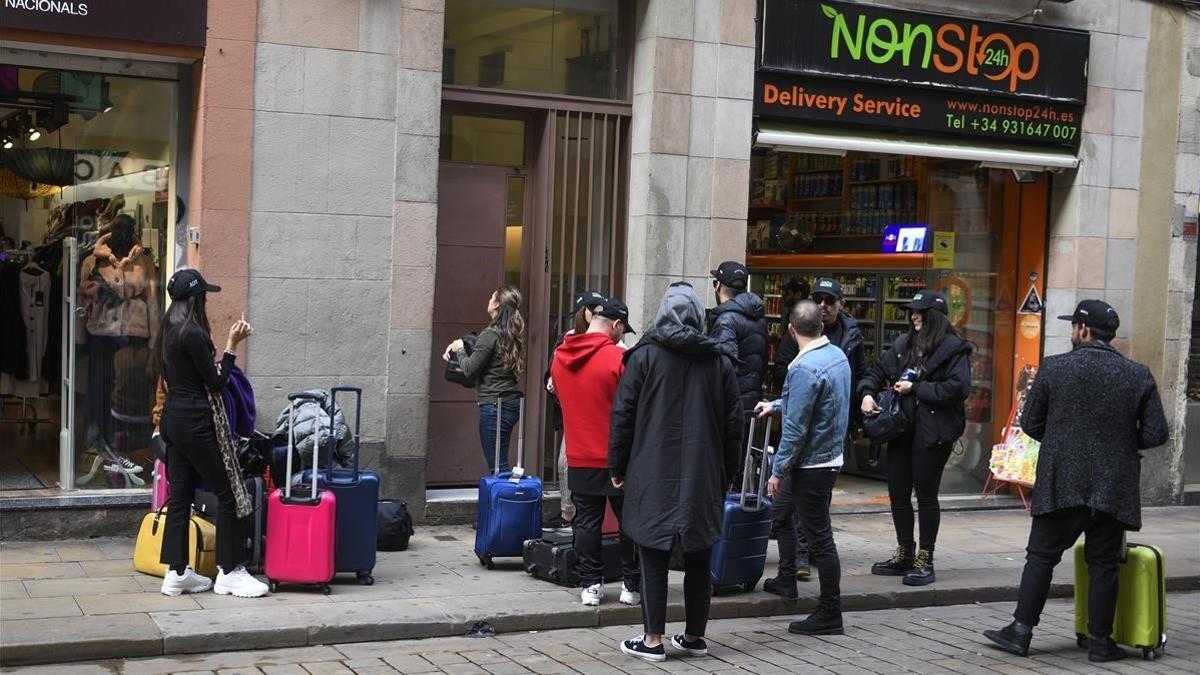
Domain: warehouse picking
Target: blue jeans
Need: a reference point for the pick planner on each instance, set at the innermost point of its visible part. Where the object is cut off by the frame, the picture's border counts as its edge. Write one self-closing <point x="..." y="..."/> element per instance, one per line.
<point x="510" y="412"/>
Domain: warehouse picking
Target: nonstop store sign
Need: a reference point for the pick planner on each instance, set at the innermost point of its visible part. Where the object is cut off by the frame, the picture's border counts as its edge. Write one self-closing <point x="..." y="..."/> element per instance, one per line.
<point x="882" y="67"/>
<point x="176" y="22"/>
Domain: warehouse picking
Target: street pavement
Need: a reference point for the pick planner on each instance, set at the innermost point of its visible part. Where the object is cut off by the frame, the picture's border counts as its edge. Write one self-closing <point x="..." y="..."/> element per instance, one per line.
<point x="924" y="640"/>
<point x="81" y="601"/>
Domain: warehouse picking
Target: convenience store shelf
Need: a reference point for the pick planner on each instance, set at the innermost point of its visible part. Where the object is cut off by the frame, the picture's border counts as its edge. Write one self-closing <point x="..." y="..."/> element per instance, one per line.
<point x="882" y="181"/>
<point x="800" y="200"/>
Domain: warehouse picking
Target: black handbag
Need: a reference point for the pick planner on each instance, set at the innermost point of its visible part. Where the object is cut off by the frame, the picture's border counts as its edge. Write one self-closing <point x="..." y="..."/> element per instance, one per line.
<point x="891" y="422"/>
<point x="454" y="371"/>
<point x="395" y="525"/>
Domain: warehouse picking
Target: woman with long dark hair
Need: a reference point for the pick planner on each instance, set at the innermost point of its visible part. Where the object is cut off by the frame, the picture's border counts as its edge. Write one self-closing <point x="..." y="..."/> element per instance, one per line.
<point x="184" y="357"/>
<point x="930" y="367"/>
<point x="494" y="366"/>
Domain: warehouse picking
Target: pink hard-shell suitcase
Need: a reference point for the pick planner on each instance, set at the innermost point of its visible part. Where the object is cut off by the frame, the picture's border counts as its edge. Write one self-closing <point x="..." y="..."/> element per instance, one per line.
<point x="161" y="487"/>
<point x="300" y="529"/>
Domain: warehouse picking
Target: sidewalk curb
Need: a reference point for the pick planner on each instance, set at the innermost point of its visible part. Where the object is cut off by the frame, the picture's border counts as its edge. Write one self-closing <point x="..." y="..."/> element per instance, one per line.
<point x="42" y="641"/>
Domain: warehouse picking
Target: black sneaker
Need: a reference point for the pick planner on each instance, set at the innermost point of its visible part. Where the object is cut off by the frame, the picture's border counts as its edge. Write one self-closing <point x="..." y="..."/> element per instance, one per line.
<point x="637" y="648"/>
<point x="896" y="566"/>
<point x="921" y="573"/>
<point x="821" y="622"/>
<point x="1013" y="638"/>
<point x="783" y="585"/>
<point x="697" y="647"/>
<point x="1104" y="650"/>
<point x="558" y="525"/>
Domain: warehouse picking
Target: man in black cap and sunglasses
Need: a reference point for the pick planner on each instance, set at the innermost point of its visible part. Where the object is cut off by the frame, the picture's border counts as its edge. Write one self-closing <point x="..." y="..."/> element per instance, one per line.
<point x="1094" y="411"/>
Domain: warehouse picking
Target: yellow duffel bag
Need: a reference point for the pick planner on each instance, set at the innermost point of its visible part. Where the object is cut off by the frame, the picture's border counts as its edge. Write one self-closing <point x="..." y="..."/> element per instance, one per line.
<point x="202" y="545"/>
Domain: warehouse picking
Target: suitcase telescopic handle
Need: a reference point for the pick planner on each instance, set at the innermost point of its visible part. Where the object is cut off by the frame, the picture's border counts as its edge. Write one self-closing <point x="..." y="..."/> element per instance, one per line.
<point x="748" y="469"/>
<point x="520" y="432"/>
<point x="357" y="391"/>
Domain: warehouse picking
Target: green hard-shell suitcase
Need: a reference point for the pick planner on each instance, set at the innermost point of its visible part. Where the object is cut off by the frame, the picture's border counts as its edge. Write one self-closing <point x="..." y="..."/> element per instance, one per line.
<point x="1141" y="620"/>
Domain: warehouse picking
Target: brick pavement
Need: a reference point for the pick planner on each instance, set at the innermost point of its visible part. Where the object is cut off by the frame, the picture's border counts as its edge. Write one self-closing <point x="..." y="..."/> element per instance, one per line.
<point x="925" y="640"/>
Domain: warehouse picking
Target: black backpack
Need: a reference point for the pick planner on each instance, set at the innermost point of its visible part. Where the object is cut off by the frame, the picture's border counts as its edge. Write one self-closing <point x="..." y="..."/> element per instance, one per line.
<point x="892" y="421"/>
<point x="395" y="525"/>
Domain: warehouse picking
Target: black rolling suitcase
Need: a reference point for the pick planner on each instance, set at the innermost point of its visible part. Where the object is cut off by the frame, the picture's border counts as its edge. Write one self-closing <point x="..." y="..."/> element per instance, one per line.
<point x="552" y="558"/>
<point x="205" y="505"/>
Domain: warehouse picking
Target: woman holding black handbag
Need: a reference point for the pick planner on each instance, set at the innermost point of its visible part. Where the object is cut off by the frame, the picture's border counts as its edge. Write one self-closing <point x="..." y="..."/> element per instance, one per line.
<point x="493" y="367"/>
<point x="929" y="368"/>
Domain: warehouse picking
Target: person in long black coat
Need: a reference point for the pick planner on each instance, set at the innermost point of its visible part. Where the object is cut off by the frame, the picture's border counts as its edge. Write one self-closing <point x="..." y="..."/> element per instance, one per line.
<point x="675" y="444"/>
<point x="1094" y="411"/>
<point x="934" y="395"/>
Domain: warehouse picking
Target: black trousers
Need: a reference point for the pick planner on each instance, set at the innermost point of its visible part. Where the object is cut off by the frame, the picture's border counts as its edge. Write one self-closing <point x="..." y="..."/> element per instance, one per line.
<point x="697" y="589"/>
<point x="587" y="525"/>
<point x="793" y="548"/>
<point x="813" y="493"/>
<point x="918" y="467"/>
<point x="193" y="456"/>
<point x="1050" y="536"/>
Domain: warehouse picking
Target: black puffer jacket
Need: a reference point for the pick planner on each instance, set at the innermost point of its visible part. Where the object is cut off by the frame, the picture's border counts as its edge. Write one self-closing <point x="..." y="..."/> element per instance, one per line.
<point x="676" y="434"/>
<point x="739" y="326"/>
<point x="1093" y="410"/>
<point x="938" y="412"/>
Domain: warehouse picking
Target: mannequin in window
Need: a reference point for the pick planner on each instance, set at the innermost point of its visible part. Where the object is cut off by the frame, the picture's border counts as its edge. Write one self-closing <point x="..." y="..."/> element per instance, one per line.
<point x="119" y="289"/>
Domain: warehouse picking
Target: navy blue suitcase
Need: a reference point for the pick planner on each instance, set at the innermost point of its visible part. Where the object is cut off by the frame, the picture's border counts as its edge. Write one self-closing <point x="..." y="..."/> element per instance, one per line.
<point x="510" y="505"/>
<point x="739" y="557"/>
<point x="357" y="493"/>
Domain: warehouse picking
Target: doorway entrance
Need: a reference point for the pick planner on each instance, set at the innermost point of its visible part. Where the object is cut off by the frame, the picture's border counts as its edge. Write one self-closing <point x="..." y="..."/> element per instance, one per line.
<point x="534" y="198"/>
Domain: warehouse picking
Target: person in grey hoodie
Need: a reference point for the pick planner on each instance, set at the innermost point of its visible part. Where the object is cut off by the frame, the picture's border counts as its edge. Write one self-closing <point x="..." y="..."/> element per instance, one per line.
<point x="675" y="442"/>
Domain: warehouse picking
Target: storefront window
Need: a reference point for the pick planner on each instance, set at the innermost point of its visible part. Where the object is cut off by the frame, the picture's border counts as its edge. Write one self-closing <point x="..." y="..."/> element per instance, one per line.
<point x="482" y="140"/>
<point x="574" y="48"/>
<point x="85" y="158"/>
<point x="874" y="223"/>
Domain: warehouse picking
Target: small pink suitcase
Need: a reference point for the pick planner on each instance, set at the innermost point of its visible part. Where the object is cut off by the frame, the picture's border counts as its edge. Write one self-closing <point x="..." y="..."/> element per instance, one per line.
<point x="300" y="530"/>
<point x="161" y="487"/>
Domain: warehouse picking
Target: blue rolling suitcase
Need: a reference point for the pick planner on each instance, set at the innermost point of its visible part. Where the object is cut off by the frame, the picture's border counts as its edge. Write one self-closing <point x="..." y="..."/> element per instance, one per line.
<point x="740" y="555"/>
<point x="510" y="505"/>
<point x="357" y="493"/>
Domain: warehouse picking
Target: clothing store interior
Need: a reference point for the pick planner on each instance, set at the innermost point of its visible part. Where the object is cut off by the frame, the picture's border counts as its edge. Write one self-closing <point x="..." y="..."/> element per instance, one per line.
<point x="870" y="221"/>
<point x="85" y="184"/>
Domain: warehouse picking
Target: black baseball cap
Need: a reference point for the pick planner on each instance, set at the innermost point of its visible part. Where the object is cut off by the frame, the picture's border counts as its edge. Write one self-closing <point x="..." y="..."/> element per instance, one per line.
<point x="589" y="299"/>
<point x="927" y="300"/>
<point x="617" y="311"/>
<point x="1094" y="314"/>
<point x="188" y="283"/>
<point x="731" y="273"/>
<point x="828" y="286"/>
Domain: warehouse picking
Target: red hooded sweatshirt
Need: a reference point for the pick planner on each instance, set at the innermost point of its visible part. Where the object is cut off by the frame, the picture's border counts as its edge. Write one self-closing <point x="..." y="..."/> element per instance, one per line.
<point x="586" y="371"/>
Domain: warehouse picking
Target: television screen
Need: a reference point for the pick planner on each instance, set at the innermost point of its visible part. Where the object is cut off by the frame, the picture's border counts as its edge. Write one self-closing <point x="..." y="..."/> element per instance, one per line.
<point x="906" y="239"/>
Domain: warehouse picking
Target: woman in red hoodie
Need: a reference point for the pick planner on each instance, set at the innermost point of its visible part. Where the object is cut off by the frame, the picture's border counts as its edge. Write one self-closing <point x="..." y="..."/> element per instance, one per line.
<point x="586" y="371"/>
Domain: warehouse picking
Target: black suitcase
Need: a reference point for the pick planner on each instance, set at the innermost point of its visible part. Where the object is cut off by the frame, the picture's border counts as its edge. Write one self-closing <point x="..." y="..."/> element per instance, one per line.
<point x="205" y="505"/>
<point x="552" y="558"/>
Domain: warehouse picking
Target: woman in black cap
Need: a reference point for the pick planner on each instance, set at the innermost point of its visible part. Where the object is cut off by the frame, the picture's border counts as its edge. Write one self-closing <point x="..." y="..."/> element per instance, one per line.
<point x="184" y="356"/>
<point x="930" y="367"/>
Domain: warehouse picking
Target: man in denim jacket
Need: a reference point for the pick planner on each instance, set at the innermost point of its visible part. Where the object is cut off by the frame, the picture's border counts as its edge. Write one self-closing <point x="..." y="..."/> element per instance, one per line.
<point x="815" y="409"/>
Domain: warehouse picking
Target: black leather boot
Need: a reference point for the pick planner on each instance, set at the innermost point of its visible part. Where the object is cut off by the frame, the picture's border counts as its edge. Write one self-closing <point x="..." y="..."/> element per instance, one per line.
<point x="1013" y="638"/>
<point x="1102" y="650"/>
<point x="896" y="566"/>
<point x="921" y="573"/>
<point x="783" y="585"/>
<point x="824" y="621"/>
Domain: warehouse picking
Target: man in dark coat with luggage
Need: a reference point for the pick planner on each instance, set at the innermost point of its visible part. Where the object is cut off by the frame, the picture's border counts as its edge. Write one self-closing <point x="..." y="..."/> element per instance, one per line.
<point x="739" y="325"/>
<point x="842" y="331"/>
<point x="1094" y="411"/>
<point x="675" y="441"/>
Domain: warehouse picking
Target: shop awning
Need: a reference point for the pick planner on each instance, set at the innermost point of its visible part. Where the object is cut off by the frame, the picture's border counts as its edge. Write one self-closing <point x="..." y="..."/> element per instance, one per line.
<point x="797" y="138"/>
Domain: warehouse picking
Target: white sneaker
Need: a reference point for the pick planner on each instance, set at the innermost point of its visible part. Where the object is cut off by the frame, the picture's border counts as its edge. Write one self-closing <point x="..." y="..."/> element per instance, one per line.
<point x="189" y="582"/>
<point x="240" y="583"/>
<point x="592" y="595"/>
<point x="629" y="597"/>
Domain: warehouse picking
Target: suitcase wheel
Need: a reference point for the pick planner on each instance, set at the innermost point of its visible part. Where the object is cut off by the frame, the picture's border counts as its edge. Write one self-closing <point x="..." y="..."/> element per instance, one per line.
<point x="366" y="579"/>
<point x="486" y="561"/>
<point x="1081" y="640"/>
<point x="751" y="584"/>
<point x="326" y="589"/>
<point x="273" y="585"/>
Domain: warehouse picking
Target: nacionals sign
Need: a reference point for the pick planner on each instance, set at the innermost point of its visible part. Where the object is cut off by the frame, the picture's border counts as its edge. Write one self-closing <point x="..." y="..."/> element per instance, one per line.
<point x="949" y="48"/>
<point x="867" y="42"/>
<point x="51" y="6"/>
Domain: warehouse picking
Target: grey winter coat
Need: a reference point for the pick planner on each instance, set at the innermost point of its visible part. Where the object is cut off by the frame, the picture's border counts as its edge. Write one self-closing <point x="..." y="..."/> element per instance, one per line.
<point x="312" y="423"/>
<point x="739" y="326"/>
<point x="676" y="430"/>
<point x="1093" y="411"/>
